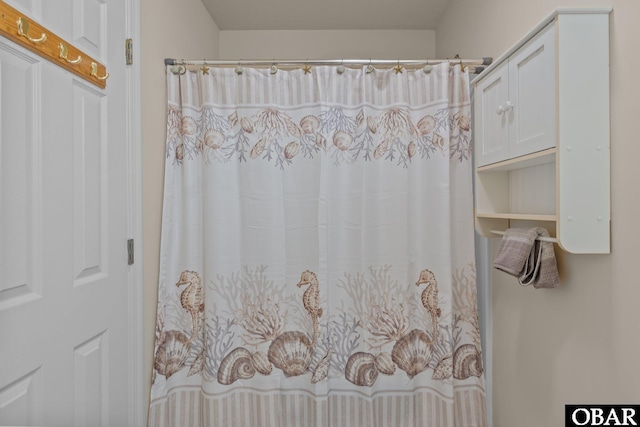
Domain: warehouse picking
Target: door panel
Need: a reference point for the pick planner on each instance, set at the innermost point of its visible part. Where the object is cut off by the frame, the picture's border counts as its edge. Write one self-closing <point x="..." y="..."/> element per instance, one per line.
<point x="19" y="179"/>
<point x="89" y="183"/>
<point x="32" y="8"/>
<point x="21" y="401"/>
<point x="91" y="403"/>
<point x="89" y="21"/>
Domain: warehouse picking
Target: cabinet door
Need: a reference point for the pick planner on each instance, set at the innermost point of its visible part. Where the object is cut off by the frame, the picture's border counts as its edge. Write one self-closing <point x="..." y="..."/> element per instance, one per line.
<point x="531" y="109"/>
<point x="491" y="131"/>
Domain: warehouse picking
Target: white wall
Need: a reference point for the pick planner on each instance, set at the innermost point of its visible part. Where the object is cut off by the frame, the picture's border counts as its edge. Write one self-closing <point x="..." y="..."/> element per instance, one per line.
<point x="169" y="29"/>
<point x="328" y="44"/>
<point x="578" y="343"/>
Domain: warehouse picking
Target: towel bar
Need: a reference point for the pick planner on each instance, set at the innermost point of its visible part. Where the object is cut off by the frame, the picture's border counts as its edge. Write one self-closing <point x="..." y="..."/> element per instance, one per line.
<point x="542" y="239"/>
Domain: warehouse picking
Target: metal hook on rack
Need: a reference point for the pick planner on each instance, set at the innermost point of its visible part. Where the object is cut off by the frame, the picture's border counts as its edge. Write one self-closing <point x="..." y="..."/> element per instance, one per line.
<point x="23" y="30"/>
<point x="94" y="72"/>
<point x="64" y="52"/>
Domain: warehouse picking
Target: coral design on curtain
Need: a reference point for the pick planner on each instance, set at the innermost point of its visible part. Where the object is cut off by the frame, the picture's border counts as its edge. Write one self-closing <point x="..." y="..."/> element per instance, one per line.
<point x="317" y="256"/>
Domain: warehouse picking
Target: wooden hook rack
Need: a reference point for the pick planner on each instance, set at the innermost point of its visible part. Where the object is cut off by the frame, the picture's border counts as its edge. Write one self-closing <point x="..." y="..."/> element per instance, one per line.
<point x="17" y="27"/>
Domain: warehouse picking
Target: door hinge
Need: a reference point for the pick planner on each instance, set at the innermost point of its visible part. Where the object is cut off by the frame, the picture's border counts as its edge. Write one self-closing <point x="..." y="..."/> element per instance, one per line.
<point x="128" y="51"/>
<point x="130" y="251"/>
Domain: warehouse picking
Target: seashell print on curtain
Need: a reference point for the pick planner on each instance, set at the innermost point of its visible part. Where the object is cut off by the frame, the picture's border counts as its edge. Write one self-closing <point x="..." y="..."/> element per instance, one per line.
<point x="279" y="138"/>
<point x="276" y="135"/>
<point x="317" y="264"/>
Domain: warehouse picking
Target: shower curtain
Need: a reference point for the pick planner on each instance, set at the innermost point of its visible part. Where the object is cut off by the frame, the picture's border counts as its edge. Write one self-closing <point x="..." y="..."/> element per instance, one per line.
<point x="317" y="256"/>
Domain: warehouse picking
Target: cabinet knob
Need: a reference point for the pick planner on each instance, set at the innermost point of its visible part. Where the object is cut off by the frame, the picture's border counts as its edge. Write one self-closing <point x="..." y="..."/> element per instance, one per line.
<point x="500" y="110"/>
<point x="508" y="106"/>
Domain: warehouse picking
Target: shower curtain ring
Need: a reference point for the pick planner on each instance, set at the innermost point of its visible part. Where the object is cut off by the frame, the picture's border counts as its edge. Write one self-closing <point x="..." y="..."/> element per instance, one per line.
<point x="340" y="68"/>
<point x="427" y="68"/>
<point x="239" y="69"/>
<point x="307" y="67"/>
<point x="398" y="68"/>
<point x="182" y="68"/>
<point x="369" y="68"/>
<point x="274" y="67"/>
<point x="463" y="67"/>
<point x="204" y="68"/>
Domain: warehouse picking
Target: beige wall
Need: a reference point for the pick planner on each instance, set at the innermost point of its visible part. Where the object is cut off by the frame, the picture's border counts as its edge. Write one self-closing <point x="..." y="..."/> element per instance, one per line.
<point x="578" y="343"/>
<point x="169" y="29"/>
<point x="327" y="44"/>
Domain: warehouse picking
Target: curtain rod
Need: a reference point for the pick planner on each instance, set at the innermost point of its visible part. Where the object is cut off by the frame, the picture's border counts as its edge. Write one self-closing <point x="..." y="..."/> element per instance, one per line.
<point x="476" y="65"/>
<point x="540" y="238"/>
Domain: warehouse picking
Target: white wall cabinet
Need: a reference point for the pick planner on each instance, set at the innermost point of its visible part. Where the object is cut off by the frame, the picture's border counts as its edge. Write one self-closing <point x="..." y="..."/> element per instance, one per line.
<point x="516" y="102"/>
<point x="541" y="117"/>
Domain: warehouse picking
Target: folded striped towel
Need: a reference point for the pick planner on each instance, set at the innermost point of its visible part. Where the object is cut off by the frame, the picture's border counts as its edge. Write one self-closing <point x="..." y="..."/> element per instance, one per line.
<point x="532" y="261"/>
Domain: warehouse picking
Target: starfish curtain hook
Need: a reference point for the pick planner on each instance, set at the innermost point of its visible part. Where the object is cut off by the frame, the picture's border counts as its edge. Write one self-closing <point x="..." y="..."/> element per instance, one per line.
<point x="204" y="68"/>
<point x="398" y="68"/>
<point x="306" y="68"/>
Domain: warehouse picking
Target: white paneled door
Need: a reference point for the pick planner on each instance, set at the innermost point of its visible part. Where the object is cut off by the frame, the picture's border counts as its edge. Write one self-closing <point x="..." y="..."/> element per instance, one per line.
<point x="65" y="355"/>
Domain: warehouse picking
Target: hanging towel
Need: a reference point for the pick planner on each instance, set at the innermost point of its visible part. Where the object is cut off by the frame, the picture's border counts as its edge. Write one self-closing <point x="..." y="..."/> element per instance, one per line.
<point x="532" y="261"/>
<point x="515" y="249"/>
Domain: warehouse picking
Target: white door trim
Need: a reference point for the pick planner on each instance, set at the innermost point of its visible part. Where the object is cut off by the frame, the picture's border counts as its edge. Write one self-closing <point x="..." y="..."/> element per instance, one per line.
<point x="138" y="413"/>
